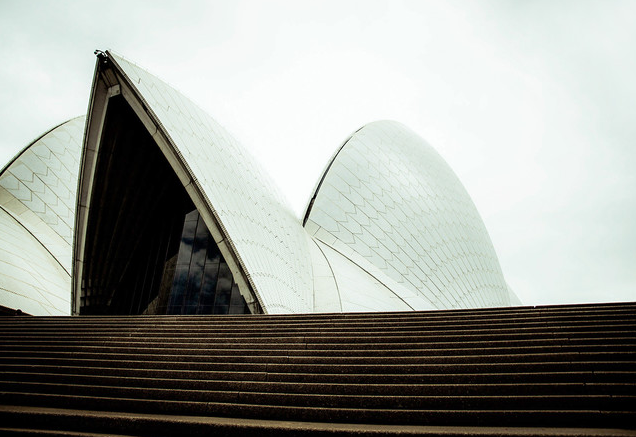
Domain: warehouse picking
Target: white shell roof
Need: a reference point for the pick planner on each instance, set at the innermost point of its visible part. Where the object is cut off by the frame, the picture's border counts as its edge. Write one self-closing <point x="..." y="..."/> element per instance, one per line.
<point x="31" y="280"/>
<point x="389" y="197"/>
<point x="262" y="229"/>
<point x="37" y="210"/>
<point x="390" y="226"/>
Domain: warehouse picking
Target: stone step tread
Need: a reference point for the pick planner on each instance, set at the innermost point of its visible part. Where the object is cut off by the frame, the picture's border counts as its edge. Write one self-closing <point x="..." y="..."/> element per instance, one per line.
<point x="30" y="431"/>
<point x="303" y="347"/>
<point x="431" y="416"/>
<point x="390" y="328"/>
<point x="405" y="352"/>
<point x="322" y="388"/>
<point x="372" y="338"/>
<point x="8" y="391"/>
<point x="366" y="372"/>
<point x="155" y="424"/>
<point x="393" y="331"/>
<point x="251" y="321"/>
<point x="208" y="425"/>
<point x="269" y="366"/>
<point x="527" y="312"/>
<point x="360" y="378"/>
<point x="514" y="308"/>
<point x="548" y="345"/>
<point x="396" y="358"/>
<point x="172" y="401"/>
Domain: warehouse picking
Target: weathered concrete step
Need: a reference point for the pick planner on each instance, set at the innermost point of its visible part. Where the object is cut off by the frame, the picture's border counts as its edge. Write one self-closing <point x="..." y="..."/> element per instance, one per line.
<point x="612" y="376"/>
<point x="393" y="331"/>
<point x="448" y="389"/>
<point x="202" y="335"/>
<point x="12" y="393"/>
<point x="551" y="366"/>
<point x="136" y="322"/>
<point x="439" y="314"/>
<point x="558" y="309"/>
<point x="463" y="416"/>
<point x="397" y="358"/>
<point x="159" y="349"/>
<point x="11" y="432"/>
<point x="32" y="430"/>
<point x="344" y="338"/>
<point x="349" y="343"/>
<point x="115" y="423"/>
<point x="75" y="325"/>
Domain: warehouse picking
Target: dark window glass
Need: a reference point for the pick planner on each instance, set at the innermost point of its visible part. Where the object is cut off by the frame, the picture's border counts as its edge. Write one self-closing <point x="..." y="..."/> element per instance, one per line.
<point x="200" y="246"/>
<point x="194" y="288"/>
<point x="223" y="309"/>
<point x="178" y="289"/>
<point x="203" y="282"/>
<point x="135" y="222"/>
<point x="237" y="309"/>
<point x="147" y="251"/>
<point x="204" y="309"/>
<point x="187" y="241"/>
<point x="224" y="286"/>
<point x="208" y="289"/>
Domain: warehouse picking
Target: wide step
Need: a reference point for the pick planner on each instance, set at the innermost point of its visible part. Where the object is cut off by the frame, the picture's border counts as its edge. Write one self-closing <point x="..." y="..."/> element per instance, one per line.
<point x="560" y="368"/>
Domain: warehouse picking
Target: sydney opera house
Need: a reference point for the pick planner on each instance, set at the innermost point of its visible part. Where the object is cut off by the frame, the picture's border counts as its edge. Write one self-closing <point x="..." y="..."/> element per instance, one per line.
<point x="199" y="304"/>
<point x="148" y="206"/>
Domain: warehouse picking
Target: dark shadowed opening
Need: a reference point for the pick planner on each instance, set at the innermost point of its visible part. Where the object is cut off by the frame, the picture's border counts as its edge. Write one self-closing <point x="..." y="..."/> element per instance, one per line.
<point x="138" y="233"/>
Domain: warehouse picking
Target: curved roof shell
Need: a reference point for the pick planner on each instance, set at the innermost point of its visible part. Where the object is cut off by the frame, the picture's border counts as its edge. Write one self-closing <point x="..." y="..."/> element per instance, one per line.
<point x="389" y="226"/>
<point x="389" y="198"/>
<point x="37" y="212"/>
<point x="256" y="230"/>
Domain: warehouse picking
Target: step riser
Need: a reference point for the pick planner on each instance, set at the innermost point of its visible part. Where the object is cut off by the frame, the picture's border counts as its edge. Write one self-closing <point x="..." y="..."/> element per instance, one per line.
<point x="617" y="377"/>
<point x="627" y="377"/>
<point x="153" y="426"/>
<point x="336" y="389"/>
<point x="317" y="328"/>
<point x="575" y="309"/>
<point x="572" y="357"/>
<point x="397" y="402"/>
<point x="324" y="344"/>
<point x="466" y="417"/>
<point x="92" y="351"/>
<point x="336" y="368"/>
<point x="371" y="336"/>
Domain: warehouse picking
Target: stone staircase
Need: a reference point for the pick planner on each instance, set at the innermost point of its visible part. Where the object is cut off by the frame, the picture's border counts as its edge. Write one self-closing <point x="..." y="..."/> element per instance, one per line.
<point x="553" y="370"/>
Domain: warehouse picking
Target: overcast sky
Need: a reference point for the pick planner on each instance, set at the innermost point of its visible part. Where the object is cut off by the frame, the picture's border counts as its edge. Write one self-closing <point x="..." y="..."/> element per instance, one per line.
<point x="532" y="103"/>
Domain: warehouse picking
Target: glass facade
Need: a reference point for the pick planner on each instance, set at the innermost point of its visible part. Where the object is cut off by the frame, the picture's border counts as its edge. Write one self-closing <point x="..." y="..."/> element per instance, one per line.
<point x="147" y="250"/>
<point x="258" y="226"/>
<point x="203" y="282"/>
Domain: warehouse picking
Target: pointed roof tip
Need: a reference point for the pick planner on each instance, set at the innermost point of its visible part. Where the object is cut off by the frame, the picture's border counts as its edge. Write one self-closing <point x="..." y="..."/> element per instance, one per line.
<point x="101" y="56"/>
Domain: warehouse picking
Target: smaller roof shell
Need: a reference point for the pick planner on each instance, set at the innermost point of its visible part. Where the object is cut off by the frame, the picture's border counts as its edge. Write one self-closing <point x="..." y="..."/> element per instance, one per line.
<point x="37" y="213"/>
<point x="388" y="196"/>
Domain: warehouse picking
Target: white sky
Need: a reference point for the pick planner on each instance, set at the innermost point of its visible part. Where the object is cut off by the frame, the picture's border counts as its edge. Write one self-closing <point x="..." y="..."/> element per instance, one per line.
<point x="532" y="103"/>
